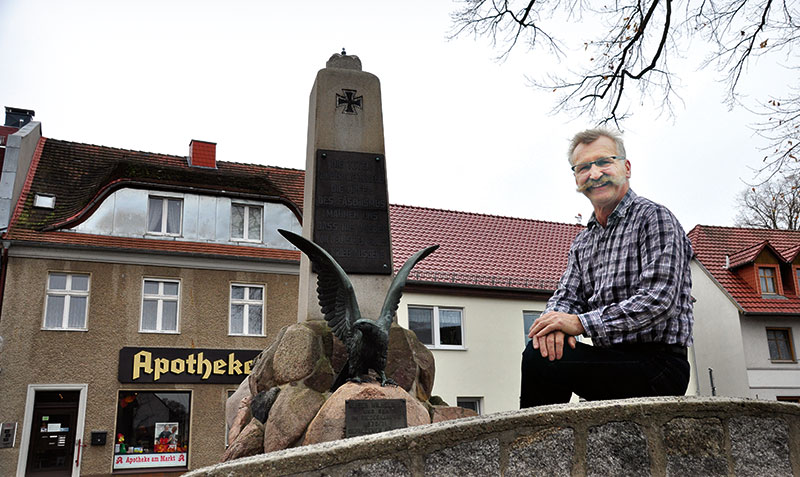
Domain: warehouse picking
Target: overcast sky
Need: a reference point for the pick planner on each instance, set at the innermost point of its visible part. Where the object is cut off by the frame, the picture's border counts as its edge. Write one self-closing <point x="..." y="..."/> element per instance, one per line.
<point x="463" y="131"/>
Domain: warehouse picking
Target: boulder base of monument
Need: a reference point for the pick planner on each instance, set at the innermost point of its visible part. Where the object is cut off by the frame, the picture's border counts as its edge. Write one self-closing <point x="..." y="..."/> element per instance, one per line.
<point x="329" y="424"/>
<point x="249" y="442"/>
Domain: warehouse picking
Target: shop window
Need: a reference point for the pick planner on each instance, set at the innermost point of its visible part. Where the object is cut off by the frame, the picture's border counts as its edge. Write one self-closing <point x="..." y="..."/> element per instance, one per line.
<point x="437" y="327"/>
<point x="164" y="216"/>
<point x="766" y="277"/>
<point x="160" y="299"/>
<point x="779" y="341"/>
<point x="246" y="222"/>
<point x="67" y="300"/>
<point x="152" y="430"/>
<point x="473" y="403"/>
<point x="247" y="310"/>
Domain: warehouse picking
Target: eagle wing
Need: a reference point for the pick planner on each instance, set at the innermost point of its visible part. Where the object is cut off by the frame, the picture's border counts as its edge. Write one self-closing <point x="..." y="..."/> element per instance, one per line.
<point x="337" y="300"/>
<point x="396" y="288"/>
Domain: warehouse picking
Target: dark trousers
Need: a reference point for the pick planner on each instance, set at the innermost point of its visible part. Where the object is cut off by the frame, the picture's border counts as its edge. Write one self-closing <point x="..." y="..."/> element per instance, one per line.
<point x="595" y="373"/>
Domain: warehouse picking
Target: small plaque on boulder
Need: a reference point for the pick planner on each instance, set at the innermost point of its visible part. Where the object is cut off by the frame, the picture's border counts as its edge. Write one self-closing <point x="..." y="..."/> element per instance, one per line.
<point x="368" y="416"/>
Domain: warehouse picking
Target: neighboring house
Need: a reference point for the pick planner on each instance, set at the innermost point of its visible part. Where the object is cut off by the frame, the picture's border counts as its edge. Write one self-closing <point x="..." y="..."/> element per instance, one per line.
<point x="746" y="282"/>
<point x="136" y="289"/>
<point x="473" y="300"/>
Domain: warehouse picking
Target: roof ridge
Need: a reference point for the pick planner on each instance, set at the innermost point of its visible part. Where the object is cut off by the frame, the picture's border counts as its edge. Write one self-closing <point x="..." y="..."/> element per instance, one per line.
<point x="175" y="156"/>
<point x="744" y="228"/>
<point x="486" y="215"/>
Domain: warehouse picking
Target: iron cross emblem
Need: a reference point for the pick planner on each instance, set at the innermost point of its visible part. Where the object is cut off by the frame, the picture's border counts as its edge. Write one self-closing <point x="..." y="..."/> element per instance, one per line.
<point x="350" y="101"/>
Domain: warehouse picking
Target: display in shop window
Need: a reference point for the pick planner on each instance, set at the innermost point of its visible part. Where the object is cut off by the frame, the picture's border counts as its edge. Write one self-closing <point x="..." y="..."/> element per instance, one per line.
<point x="152" y="429"/>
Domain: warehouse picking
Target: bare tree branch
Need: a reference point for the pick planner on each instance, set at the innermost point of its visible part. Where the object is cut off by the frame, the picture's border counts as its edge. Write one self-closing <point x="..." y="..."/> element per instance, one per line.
<point x="774" y="204"/>
<point x="629" y="61"/>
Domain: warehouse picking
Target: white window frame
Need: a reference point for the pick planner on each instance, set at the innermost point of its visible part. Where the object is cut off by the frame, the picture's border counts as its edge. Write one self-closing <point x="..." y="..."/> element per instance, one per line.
<point x="245" y="228"/>
<point x="164" y="216"/>
<point x="67" y="293"/>
<point x="477" y="400"/>
<point x="246" y="315"/>
<point x="161" y="298"/>
<point x="436" y="334"/>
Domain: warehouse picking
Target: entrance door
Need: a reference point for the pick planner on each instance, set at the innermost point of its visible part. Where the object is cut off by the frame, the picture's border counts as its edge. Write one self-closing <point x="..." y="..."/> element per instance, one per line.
<point x="53" y="431"/>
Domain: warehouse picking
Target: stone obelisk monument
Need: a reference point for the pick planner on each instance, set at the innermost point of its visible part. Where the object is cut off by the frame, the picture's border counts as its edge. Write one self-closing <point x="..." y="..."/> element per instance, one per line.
<point x="346" y="204"/>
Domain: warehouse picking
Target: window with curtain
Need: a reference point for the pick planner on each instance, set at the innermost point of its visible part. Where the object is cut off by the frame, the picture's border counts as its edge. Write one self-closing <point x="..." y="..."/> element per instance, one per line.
<point x="164" y="215"/>
<point x="779" y="342"/>
<point x="246" y="222"/>
<point x="766" y="276"/>
<point x="67" y="301"/>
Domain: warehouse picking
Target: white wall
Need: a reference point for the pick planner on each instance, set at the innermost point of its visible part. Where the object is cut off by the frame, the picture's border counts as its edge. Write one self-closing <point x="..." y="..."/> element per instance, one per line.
<point x="767" y="379"/>
<point x="489" y="366"/>
<point x="205" y="218"/>
<point x="718" y="341"/>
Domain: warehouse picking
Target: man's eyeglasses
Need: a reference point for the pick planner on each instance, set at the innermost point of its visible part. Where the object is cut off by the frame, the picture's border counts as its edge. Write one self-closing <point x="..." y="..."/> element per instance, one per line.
<point x="602" y="163"/>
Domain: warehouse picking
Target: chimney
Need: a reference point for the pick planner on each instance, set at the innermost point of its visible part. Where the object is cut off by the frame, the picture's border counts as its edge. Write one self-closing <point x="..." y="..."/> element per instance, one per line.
<point x="203" y="154"/>
<point x="18" y="117"/>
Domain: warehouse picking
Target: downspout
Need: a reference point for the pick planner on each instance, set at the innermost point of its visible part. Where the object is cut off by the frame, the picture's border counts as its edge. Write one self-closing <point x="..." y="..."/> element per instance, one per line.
<point x="3" y="268"/>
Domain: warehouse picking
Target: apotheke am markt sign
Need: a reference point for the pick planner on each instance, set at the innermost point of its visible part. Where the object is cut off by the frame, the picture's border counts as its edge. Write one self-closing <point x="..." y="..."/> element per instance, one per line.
<point x="184" y="365"/>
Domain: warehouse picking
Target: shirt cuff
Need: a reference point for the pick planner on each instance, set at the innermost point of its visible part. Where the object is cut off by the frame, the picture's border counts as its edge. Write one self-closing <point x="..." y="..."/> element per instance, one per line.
<point x="594" y="328"/>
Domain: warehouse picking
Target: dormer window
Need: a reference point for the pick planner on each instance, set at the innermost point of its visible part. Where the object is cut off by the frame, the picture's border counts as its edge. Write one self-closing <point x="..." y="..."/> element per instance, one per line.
<point x="767" y="279"/>
<point x="797" y="273"/>
<point x="164" y="216"/>
<point x="246" y="222"/>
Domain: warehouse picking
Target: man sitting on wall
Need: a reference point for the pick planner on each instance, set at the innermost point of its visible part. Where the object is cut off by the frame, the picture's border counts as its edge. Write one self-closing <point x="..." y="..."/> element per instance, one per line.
<point x="627" y="286"/>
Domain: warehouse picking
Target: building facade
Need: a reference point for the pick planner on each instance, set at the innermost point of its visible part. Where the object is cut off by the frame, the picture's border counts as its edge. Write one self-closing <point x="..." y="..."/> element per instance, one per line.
<point x="137" y="289"/>
<point x="746" y="283"/>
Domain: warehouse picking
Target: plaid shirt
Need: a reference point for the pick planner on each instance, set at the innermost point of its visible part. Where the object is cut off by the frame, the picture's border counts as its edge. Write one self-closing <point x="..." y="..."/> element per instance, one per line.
<point x="629" y="282"/>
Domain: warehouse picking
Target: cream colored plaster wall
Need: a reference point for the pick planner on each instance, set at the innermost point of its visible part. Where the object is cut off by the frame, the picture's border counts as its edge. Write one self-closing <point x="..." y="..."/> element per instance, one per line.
<point x="718" y="341"/>
<point x="489" y="366"/>
<point x="32" y="355"/>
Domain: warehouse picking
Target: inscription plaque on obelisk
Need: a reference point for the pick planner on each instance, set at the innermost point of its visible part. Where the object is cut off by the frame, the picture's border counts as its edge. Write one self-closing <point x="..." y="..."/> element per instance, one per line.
<point x="351" y="210"/>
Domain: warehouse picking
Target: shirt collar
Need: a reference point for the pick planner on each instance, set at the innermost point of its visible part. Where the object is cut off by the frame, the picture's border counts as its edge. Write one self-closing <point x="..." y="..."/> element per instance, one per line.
<point x="619" y="211"/>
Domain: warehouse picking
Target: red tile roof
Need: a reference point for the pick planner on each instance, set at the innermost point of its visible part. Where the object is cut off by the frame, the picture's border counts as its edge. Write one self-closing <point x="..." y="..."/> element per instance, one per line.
<point x="478" y="249"/>
<point x="742" y="245"/>
<point x="81" y="175"/>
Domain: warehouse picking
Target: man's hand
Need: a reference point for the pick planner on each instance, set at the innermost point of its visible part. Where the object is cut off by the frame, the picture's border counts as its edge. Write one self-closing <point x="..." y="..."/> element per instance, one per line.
<point x="549" y="330"/>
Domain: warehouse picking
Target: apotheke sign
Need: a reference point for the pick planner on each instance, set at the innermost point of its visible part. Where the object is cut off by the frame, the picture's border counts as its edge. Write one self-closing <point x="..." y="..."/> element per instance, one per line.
<point x="184" y="365"/>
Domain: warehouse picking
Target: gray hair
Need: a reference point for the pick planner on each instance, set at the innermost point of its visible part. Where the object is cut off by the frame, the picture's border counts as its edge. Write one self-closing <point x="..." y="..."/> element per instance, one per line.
<point x="591" y="135"/>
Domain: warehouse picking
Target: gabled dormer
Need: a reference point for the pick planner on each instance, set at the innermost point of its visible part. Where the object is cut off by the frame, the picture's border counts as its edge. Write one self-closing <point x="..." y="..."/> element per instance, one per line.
<point x="792" y="280"/>
<point x="760" y="266"/>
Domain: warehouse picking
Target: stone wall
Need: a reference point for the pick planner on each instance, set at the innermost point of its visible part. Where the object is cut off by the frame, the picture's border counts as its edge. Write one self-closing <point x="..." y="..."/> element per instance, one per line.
<point x="636" y="437"/>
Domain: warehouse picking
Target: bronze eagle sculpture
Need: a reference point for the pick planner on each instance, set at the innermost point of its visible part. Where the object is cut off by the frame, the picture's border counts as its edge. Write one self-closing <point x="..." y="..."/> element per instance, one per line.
<point x="366" y="340"/>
